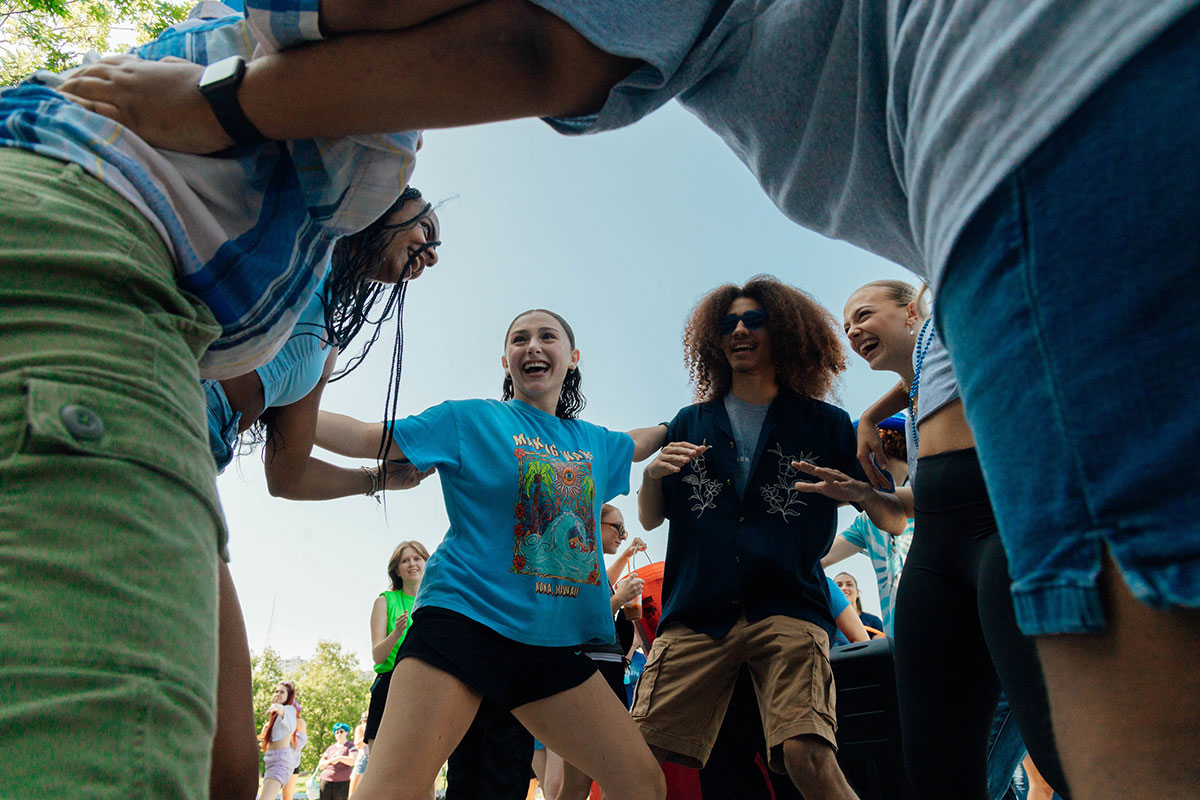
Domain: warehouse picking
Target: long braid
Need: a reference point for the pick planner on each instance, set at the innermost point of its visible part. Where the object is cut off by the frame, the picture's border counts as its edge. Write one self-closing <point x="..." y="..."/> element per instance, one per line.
<point x="351" y="294"/>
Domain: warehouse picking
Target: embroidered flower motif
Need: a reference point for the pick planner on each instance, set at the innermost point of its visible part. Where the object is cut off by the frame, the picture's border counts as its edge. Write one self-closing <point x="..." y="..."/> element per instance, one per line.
<point x="704" y="488"/>
<point x="780" y="497"/>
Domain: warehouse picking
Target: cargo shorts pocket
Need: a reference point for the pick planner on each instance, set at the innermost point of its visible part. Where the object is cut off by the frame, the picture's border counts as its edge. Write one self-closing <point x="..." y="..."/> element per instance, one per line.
<point x="108" y="419"/>
<point x="644" y="694"/>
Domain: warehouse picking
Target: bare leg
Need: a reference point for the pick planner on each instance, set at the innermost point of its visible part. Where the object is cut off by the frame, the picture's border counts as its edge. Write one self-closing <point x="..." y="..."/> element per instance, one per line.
<point x="354" y="779"/>
<point x="554" y="775"/>
<point x="289" y="787"/>
<point x="1124" y="701"/>
<point x="233" y="774"/>
<point x="590" y="728"/>
<point x="539" y="770"/>
<point x="270" y="789"/>
<point x="813" y="768"/>
<point x="575" y="784"/>
<point x="426" y="715"/>
<point x="1038" y="788"/>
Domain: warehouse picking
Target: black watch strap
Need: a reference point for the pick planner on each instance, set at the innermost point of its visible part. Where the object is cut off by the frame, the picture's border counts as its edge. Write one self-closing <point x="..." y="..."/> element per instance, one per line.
<point x="219" y="84"/>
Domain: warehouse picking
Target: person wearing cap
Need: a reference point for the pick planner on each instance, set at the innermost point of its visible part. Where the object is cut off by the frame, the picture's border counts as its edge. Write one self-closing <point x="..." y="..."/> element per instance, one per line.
<point x="336" y="764"/>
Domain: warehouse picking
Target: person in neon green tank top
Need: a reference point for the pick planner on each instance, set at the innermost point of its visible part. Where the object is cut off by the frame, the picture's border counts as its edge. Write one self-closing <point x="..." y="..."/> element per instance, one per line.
<point x="391" y="617"/>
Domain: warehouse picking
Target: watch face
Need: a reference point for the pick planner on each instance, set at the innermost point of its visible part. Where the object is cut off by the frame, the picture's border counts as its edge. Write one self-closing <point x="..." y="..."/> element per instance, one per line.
<point x="222" y="73"/>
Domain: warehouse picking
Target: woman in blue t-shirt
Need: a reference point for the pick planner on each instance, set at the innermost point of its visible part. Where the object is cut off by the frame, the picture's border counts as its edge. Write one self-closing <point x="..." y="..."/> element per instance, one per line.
<point x="518" y="583"/>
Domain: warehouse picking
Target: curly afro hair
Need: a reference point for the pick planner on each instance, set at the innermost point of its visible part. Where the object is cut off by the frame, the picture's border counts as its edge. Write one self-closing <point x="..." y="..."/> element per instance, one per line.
<point x="894" y="444"/>
<point x="806" y="340"/>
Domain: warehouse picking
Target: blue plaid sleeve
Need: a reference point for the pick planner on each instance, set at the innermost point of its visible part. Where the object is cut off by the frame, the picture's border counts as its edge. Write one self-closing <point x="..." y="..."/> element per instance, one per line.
<point x="280" y="24"/>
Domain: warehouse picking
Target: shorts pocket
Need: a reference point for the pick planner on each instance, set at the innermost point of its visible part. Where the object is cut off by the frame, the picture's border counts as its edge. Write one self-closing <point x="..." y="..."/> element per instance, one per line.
<point x="644" y="693"/>
<point x="64" y="415"/>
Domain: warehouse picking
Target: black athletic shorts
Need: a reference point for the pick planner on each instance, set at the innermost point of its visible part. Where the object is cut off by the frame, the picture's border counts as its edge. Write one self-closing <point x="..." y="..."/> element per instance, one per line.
<point x="509" y="673"/>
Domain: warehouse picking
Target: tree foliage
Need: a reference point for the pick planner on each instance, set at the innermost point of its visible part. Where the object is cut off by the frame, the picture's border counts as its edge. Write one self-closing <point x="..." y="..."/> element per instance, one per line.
<point x="330" y="687"/>
<point x="55" y="34"/>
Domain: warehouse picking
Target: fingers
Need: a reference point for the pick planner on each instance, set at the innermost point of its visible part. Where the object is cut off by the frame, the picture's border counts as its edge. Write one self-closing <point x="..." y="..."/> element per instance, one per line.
<point x="824" y="473"/>
<point x="831" y="483"/>
<point x="870" y="445"/>
<point x="104" y="109"/>
<point x="672" y="458"/>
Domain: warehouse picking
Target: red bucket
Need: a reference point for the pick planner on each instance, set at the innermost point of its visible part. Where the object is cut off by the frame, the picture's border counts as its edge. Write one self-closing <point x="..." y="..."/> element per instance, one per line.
<point x="652" y="574"/>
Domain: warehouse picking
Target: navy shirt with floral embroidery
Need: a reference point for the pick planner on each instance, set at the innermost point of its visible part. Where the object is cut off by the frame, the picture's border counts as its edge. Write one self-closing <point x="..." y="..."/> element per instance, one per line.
<point x="759" y="555"/>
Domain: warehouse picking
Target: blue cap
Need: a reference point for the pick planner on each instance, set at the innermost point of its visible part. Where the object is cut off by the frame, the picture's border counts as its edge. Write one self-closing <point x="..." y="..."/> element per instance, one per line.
<point x="894" y="423"/>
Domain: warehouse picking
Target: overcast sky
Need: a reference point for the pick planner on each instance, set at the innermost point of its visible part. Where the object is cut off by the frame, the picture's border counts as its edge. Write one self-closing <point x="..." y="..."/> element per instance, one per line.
<point x="621" y="233"/>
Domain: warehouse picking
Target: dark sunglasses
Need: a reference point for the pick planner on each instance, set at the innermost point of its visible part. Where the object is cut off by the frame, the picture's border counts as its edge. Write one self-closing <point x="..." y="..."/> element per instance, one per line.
<point x="753" y="320"/>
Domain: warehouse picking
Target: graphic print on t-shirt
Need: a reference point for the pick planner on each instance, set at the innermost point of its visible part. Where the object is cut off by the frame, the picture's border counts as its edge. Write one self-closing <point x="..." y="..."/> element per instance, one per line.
<point x="554" y="529"/>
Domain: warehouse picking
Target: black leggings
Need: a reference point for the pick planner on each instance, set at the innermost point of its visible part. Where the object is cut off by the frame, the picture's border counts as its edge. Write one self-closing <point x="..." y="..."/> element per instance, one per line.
<point x="957" y="641"/>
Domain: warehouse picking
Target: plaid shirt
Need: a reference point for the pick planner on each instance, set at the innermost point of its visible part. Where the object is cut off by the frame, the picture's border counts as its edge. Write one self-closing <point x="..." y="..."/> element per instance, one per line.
<point x="250" y="235"/>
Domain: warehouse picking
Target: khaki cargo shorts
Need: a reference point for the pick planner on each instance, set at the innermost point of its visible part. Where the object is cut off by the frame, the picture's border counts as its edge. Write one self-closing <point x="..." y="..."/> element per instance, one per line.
<point x="689" y="677"/>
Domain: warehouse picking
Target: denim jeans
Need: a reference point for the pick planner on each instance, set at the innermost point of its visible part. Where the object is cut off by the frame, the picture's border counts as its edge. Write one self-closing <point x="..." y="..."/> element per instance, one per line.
<point x="1070" y="306"/>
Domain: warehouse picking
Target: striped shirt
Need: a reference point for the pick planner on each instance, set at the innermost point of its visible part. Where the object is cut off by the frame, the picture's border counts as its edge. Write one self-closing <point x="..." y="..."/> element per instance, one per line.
<point x="250" y="234"/>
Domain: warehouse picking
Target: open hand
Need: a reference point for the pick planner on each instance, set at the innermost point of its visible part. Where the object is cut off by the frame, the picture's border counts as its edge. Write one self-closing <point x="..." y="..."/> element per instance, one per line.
<point x="831" y="483"/>
<point x="157" y="100"/>
<point x="670" y="459"/>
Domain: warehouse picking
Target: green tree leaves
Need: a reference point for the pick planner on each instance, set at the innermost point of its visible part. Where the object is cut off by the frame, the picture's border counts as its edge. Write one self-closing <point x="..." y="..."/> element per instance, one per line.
<point x="55" y="34"/>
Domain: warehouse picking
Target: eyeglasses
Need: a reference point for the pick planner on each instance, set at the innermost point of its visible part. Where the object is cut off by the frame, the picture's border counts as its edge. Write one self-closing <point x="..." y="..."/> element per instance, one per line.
<point x="752" y="319"/>
<point x="620" y="527"/>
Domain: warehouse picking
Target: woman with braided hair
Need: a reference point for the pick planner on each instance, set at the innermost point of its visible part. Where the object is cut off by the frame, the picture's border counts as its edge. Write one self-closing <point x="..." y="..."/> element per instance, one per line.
<point x="276" y="405"/>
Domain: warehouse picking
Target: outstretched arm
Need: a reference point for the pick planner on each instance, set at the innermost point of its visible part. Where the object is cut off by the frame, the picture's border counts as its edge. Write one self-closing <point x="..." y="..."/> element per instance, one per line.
<point x="293" y="473"/>
<point x="839" y="551"/>
<point x="353" y="438"/>
<point x="647" y="440"/>
<point x="356" y="16"/>
<point x="885" y="510"/>
<point x="488" y="61"/>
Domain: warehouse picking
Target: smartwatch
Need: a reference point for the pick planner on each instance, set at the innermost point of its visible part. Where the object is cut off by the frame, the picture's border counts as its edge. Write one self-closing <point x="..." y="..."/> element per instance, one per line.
<point x="219" y="85"/>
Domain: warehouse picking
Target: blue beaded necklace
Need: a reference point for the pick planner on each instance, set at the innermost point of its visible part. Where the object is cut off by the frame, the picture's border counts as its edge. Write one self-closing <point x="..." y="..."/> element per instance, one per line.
<point x="919" y="351"/>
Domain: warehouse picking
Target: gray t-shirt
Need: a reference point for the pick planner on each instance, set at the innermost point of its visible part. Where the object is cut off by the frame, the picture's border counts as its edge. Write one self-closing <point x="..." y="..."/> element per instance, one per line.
<point x="882" y="122"/>
<point x="747" y="420"/>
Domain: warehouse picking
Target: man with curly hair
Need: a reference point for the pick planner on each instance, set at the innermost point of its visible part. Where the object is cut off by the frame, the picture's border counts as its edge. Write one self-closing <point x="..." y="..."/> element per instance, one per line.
<point x="743" y="582"/>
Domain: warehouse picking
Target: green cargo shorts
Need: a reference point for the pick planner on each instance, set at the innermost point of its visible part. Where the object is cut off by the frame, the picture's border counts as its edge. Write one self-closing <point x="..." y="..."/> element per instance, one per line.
<point x="109" y="521"/>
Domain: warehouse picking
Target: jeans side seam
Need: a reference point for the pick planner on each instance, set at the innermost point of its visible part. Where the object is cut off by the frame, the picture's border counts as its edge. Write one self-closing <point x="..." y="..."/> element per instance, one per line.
<point x="1025" y="232"/>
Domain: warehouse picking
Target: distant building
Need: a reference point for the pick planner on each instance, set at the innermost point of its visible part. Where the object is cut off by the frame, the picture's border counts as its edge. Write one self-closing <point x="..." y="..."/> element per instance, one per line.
<point x="291" y="666"/>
